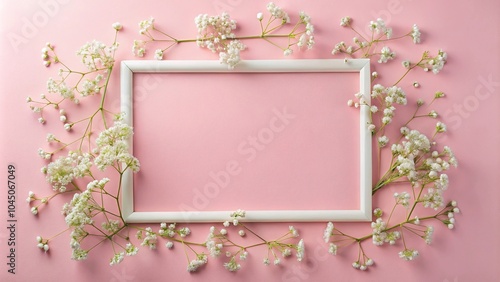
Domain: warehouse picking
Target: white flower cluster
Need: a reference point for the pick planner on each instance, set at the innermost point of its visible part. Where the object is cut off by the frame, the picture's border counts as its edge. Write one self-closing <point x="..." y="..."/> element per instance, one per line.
<point x="386" y="54"/>
<point x="96" y="55"/>
<point x="139" y="48"/>
<point x="111" y="226"/>
<point x="408" y="254"/>
<point x="150" y="239"/>
<point x="402" y="199"/>
<point x="231" y="55"/>
<point x="300" y="250"/>
<point x="436" y="64"/>
<point x="214" y="246"/>
<point x="146" y="25"/>
<point x="42" y="244"/>
<point x="79" y="210"/>
<point x="307" y="38"/>
<point x="379" y="26"/>
<point x="213" y="31"/>
<point x="345" y="21"/>
<point x="387" y="97"/>
<point x="45" y="54"/>
<point x="167" y="231"/>
<point x="381" y="236"/>
<point x="232" y="265"/>
<point x="363" y="266"/>
<point x="200" y="260"/>
<point x="113" y="148"/>
<point x="61" y="88"/>
<point x="328" y="231"/>
<point x="91" y="87"/>
<point x="278" y="12"/>
<point x="65" y="169"/>
<point x="430" y="169"/>
<point x="117" y="258"/>
<point x="415" y="34"/>
<point x="235" y="215"/>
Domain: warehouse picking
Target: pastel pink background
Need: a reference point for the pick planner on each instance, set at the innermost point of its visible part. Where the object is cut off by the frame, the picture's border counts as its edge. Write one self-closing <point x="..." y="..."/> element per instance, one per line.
<point x="467" y="31"/>
<point x="200" y="124"/>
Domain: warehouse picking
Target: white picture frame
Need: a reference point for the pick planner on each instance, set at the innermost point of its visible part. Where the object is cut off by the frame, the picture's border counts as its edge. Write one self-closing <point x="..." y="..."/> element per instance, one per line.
<point x="361" y="66"/>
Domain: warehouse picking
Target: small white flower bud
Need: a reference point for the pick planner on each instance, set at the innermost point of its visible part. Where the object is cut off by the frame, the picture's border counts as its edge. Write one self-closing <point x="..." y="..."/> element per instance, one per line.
<point x="117" y="26"/>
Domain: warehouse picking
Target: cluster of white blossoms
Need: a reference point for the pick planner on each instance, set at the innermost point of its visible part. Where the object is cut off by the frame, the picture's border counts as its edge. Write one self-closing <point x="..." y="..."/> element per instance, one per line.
<point x="387" y="97"/>
<point x="65" y="169"/>
<point x="146" y="25"/>
<point x="213" y="244"/>
<point x="96" y="55"/>
<point x="61" y="88"/>
<point x="231" y="55"/>
<point x="80" y="210"/>
<point x="91" y="87"/>
<point x="380" y="235"/>
<point x="200" y="260"/>
<point x="45" y="54"/>
<point x="139" y="48"/>
<point x="402" y="199"/>
<point x="278" y="12"/>
<point x="379" y="27"/>
<point x="408" y="254"/>
<point x="217" y="34"/>
<point x="436" y="64"/>
<point x="415" y="34"/>
<point x="386" y="54"/>
<point x="214" y="31"/>
<point x="113" y="149"/>
<point x="307" y="38"/>
<point x="42" y="244"/>
<point x="149" y="238"/>
<point x="117" y="258"/>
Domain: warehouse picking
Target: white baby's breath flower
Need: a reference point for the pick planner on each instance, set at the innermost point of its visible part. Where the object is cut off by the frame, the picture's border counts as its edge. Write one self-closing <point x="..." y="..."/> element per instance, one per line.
<point x="333" y="249"/>
<point x="117" y="26"/>
<point x="345" y="21"/>
<point x="146" y="25"/>
<point x="278" y="12"/>
<point x="159" y="54"/>
<point x="231" y="55"/>
<point x="328" y="232"/>
<point x="169" y="245"/>
<point x="386" y="54"/>
<point x="232" y="265"/>
<point x="300" y="250"/>
<point x="408" y="254"/>
<point x="117" y="258"/>
<point x="131" y="250"/>
<point x="415" y="34"/>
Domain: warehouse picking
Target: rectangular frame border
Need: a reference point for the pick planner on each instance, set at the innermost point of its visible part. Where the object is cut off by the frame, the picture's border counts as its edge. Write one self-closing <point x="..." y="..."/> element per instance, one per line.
<point x="362" y="66"/>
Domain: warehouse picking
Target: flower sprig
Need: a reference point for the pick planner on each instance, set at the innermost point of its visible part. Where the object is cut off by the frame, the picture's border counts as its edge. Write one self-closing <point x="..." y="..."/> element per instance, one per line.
<point x="220" y="243"/>
<point x="416" y="161"/>
<point x="384" y="233"/>
<point x="367" y="44"/>
<point x="93" y="215"/>
<point x="217" y="34"/>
